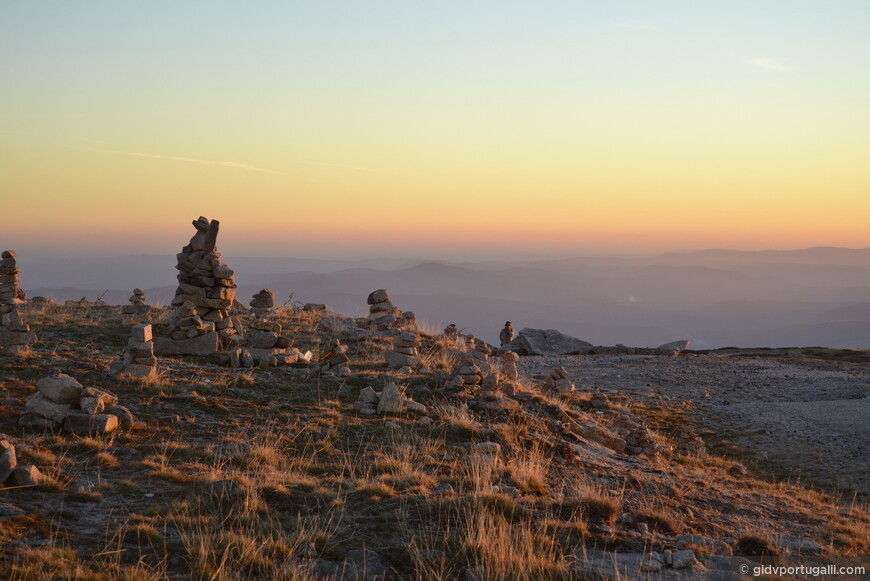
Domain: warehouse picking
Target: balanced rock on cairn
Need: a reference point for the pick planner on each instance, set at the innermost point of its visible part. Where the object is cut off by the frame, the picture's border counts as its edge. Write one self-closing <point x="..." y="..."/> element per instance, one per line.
<point x="137" y="311"/>
<point x="206" y="291"/>
<point x="138" y="360"/>
<point x="15" y="334"/>
<point x="405" y="352"/>
<point x="263" y="302"/>
<point x="267" y="347"/>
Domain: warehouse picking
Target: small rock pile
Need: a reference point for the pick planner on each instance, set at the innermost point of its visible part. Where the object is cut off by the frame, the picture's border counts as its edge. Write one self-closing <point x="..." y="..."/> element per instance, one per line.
<point x="690" y="443"/>
<point x="60" y="400"/>
<point x="266" y="345"/>
<point x="405" y="351"/>
<point x="263" y="302"/>
<point x="138" y="359"/>
<point x="206" y="291"/>
<point x="389" y="400"/>
<point x="137" y="311"/>
<point x="473" y="370"/>
<point x="335" y="361"/>
<point x="559" y="381"/>
<point x="638" y="438"/>
<point x="15" y="334"/>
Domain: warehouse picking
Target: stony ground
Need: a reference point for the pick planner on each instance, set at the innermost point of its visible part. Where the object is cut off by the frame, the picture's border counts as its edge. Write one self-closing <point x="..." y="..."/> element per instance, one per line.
<point x="795" y="414"/>
<point x="271" y="473"/>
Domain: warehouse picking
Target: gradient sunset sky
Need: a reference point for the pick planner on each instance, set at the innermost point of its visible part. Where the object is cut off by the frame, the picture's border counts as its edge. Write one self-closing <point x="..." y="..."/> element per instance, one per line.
<point x="408" y="128"/>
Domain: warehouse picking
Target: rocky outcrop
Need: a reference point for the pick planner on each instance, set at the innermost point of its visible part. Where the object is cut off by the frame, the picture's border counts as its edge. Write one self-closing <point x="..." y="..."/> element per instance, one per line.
<point x="546" y="342"/>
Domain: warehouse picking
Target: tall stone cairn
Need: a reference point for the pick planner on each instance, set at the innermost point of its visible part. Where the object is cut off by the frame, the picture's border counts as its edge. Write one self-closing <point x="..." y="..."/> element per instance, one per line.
<point x="405" y="351"/>
<point x="206" y="291"/>
<point x="15" y="334"/>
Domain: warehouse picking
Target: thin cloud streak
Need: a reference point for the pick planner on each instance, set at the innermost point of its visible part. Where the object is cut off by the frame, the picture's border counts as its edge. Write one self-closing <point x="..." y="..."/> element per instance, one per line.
<point x="193" y="160"/>
<point x="772" y="64"/>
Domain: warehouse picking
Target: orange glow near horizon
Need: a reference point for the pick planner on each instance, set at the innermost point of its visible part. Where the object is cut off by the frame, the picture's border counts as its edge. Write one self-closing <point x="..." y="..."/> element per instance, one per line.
<point x="314" y="143"/>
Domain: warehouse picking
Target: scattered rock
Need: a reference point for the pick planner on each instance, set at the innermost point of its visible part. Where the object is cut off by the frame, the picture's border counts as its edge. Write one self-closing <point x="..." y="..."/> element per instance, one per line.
<point x="25" y="476"/>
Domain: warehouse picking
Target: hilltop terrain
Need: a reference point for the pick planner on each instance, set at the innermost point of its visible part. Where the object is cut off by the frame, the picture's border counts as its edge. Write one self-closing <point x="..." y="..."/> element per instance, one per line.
<point x="718" y="298"/>
<point x="272" y="472"/>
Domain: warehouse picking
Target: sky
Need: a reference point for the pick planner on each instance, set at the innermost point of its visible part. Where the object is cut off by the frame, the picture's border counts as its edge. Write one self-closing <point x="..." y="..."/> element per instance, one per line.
<point x="407" y="128"/>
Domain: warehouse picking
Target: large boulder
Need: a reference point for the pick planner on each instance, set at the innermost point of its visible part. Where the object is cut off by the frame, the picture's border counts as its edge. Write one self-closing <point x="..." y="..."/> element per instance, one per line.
<point x="675" y="346"/>
<point x="546" y="342"/>
<point x="60" y="388"/>
<point x="39" y="405"/>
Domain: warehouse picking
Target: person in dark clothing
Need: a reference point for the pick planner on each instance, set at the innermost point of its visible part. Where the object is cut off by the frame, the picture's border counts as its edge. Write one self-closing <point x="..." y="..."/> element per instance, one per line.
<point x="507" y="334"/>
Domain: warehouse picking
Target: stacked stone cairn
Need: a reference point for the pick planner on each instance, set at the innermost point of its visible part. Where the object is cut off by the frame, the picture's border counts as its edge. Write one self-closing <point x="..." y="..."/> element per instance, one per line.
<point x="263" y="302"/>
<point x="383" y="315"/>
<point x="559" y="381"/>
<point x="137" y="311"/>
<point x="206" y="291"/>
<point x="405" y="351"/>
<point x="509" y="364"/>
<point x="15" y="334"/>
<point x="475" y="370"/>
<point x="388" y="400"/>
<point x="138" y="359"/>
<point x="381" y="310"/>
<point x="267" y="347"/>
<point x="60" y="400"/>
<point x="335" y="362"/>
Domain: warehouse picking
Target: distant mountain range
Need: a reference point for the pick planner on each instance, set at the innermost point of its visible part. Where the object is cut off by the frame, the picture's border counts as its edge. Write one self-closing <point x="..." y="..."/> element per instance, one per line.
<point x="716" y="298"/>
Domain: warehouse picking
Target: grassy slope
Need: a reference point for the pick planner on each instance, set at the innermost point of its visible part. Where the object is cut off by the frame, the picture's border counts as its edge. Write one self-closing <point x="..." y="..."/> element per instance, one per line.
<point x="318" y="481"/>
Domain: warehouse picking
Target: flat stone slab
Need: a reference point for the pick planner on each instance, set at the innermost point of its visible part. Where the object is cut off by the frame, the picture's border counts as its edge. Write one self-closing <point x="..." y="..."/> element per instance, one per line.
<point x="84" y="424"/>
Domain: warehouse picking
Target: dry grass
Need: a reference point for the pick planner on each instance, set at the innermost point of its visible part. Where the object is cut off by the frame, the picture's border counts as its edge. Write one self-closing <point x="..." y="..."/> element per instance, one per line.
<point x="316" y="479"/>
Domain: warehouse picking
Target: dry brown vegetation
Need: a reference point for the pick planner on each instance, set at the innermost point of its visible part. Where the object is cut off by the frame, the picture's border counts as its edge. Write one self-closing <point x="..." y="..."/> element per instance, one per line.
<point x="269" y="473"/>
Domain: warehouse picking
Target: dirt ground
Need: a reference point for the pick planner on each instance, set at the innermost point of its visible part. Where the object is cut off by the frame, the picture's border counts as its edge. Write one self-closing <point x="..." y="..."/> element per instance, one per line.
<point x="795" y="416"/>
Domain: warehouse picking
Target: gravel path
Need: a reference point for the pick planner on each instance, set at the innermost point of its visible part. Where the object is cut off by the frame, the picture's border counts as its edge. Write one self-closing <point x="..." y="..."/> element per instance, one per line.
<point x="809" y="417"/>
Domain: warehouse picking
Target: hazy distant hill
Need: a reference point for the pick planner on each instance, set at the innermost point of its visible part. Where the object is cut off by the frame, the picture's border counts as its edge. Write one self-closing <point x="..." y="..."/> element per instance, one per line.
<point x="817" y="296"/>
